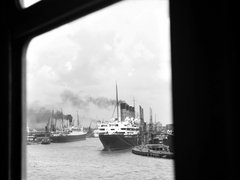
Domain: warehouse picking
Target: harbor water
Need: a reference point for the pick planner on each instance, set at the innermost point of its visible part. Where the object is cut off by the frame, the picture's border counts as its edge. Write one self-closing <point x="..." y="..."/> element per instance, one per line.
<point x="86" y="160"/>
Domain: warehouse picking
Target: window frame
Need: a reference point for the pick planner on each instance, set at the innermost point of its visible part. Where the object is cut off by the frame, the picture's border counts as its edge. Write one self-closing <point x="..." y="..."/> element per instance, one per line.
<point x="203" y="31"/>
<point x="23" y="24"/>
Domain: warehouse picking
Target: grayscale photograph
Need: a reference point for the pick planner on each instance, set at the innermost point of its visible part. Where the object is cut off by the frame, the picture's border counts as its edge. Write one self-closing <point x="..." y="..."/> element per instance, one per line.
<point x="119" y="90"/>
<point x="98" y="96"/>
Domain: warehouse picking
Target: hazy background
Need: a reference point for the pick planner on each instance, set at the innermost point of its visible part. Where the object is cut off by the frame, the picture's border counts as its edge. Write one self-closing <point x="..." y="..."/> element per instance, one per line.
<point x="75" y="67"/>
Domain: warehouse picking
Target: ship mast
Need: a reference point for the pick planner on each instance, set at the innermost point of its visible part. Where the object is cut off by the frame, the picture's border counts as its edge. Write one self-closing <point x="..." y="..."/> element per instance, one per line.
<point x="155" y="123"/>
<point x="78" y="123"/>
<point x="117" y="101"/>
<point x="62" y="118"/>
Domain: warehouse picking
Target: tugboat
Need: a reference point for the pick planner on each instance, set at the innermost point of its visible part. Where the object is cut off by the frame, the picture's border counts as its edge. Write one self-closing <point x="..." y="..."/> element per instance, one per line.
<point x="46" y="140"/>
<point x="120" y="133"/>
<point x="156" y="150"/>
<point x="157" y="146"/>
<point x="154" y="144"/>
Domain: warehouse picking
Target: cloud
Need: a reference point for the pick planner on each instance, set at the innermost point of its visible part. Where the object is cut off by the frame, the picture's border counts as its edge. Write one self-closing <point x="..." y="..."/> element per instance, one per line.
<point x="47" y="72"/>
<point x="69" y="66"/>
<point x="164" y="72"/>
<point x="132" y="48"/>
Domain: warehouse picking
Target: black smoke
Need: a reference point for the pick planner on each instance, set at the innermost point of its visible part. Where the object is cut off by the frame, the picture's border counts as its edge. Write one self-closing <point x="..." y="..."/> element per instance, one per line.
<point x="38" y="117"/>
<point x="84" y="102"/>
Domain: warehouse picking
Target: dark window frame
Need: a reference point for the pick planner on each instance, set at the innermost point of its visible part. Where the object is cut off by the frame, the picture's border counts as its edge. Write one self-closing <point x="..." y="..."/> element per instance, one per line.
<point x="205" y="91"/>
<point x="21" y="25"/>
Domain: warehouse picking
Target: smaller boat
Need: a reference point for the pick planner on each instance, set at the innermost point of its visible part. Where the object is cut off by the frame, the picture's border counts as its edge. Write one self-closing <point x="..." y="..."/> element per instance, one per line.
<point x="32" y="140"/>
<point x="157" y="147"/>
<point x="46" y="140"/>
<point x="153" y="150"/>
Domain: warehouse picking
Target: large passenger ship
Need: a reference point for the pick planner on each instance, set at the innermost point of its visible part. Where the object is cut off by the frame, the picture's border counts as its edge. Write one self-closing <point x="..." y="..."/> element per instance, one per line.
<point x="118" y="135"/>
<point x="64" y="134"/>
<point x="122" y="132"/>
<point x="68" y="136"/>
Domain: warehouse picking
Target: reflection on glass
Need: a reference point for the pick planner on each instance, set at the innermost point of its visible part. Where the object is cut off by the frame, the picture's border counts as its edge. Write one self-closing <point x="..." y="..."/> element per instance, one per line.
<point x="27" y="3"/>
<point x="73" y="70"/>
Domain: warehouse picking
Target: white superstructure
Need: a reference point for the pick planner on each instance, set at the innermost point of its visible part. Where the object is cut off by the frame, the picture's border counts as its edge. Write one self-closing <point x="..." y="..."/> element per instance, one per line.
<point x="127" y="127"/>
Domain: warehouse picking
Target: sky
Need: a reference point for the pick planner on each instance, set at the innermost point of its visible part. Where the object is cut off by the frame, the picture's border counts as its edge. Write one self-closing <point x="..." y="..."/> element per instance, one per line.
<point x="75" y="68"/>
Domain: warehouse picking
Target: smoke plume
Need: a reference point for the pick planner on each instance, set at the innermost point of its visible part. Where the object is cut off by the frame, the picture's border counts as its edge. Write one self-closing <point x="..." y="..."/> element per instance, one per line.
<point x="84" y="102"/>
<point x="38" y="114"/>
<point x="38" y="117"/>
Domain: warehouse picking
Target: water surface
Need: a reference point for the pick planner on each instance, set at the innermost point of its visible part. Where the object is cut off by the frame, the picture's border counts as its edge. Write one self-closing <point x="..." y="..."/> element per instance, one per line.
<point x="87" y="160"/>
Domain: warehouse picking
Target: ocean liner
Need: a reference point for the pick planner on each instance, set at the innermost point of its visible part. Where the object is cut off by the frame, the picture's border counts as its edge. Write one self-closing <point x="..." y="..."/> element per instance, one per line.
<point x="68" y="136"/>
<point x="122" y="132"/>
<point x="69" y="133"/>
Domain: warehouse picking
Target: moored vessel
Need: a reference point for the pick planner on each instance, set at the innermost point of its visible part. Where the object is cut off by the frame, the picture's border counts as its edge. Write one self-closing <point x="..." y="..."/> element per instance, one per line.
<point x="68" y="136"/>
<point x="46" y="140"/>
<point x="118" y="135"/>
<point x="153" y="150"/>
<point x="67" y="133"/>
<point x="121" y="132"/>
<point x="156" y="148"/>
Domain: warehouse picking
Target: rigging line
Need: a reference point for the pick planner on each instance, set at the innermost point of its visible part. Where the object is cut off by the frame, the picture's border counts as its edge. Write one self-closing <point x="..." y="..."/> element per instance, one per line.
<point x="90" y="134"/>
<point x="114" y="110"/>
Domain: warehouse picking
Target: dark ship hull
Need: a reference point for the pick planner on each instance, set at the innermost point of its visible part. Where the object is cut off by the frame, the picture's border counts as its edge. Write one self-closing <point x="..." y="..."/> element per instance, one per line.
<point x="118" y="142"/>
<point x="68" y="138"/>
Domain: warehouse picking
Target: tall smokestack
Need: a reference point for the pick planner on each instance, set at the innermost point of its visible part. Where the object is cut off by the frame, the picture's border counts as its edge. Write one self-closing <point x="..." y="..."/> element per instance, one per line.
<point x="131" y="112"/>
<point x="123" y="111"/>
<point x="150" y="122"/>
<point x="141" y="114"/>
<point x="151" y="116"/>
<point x="133" y="107"/>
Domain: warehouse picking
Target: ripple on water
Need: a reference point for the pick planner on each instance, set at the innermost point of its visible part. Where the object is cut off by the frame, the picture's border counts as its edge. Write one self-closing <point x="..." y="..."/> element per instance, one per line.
<point x="86" y="160"/>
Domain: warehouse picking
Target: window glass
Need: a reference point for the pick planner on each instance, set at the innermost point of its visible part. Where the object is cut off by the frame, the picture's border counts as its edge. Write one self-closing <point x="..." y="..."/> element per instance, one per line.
<point x="72" y="72"/>
<point x="27" y="3"/>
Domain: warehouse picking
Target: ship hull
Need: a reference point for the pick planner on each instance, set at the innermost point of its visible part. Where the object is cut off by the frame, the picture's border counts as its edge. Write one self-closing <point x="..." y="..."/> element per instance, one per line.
<point x="118" y="142"/>
<point x="69" y="138"/>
